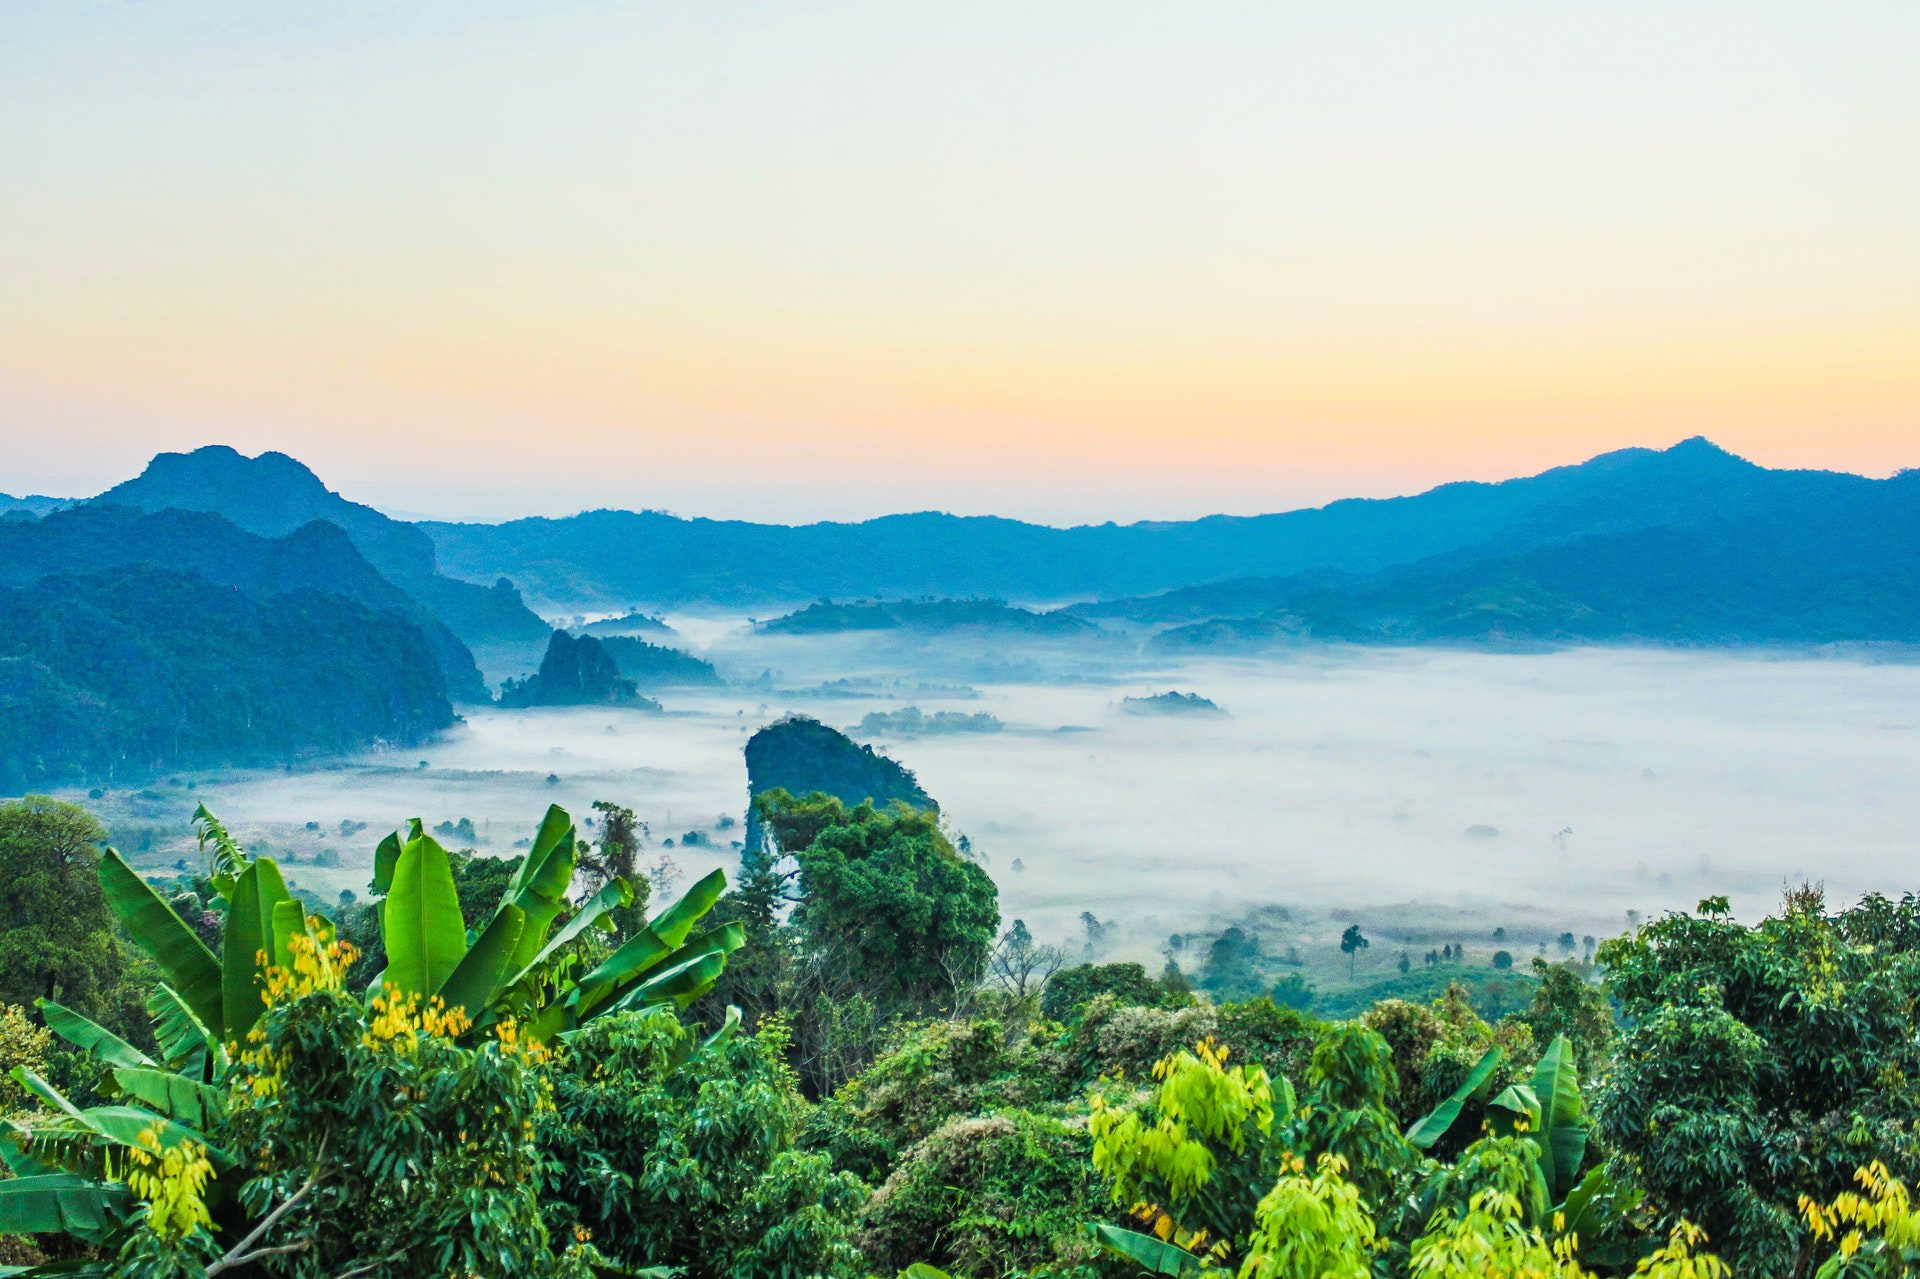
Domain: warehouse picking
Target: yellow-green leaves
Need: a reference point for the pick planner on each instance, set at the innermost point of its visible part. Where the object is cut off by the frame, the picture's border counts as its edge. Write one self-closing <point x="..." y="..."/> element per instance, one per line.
<point x="1312" y="1227"/>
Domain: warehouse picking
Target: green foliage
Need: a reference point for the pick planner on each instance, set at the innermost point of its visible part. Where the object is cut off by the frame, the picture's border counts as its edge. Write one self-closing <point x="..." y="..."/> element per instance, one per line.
<point x="992" y="1197"/>
<point x="1568" y="1002"/>
<point x="1202" y="1149"/>
<point x="446" y="1182"/>
<point x="939" y="1070"/>
<point x="130" y="671"/>
<point x="338" y="1101"/>
<point x="1764" y="1064"/>
<point x="1344" y="1111"/>
<point x="56" y="938"/>
<point x="672" y="1155"/>
<point x="1071" y="989"/>
<point x="1311" y="1227"/>
<point x="888" y="921"/>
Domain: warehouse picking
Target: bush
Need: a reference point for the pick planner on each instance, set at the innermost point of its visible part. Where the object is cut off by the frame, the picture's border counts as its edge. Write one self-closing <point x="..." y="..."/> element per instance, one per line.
<point x="1071" y="989"/>
<point x="998" y="1196"/>
<point x="689" y="1161"/>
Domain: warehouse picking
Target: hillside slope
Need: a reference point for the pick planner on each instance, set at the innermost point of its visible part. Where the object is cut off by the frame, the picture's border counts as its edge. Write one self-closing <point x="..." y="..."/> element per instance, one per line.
<point x="316" y="556"/>
<point x="273" y="495"/>
<point x="113" y="677"/>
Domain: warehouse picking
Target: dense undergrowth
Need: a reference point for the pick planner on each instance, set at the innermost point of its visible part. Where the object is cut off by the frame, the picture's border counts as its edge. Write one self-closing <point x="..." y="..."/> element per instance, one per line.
<point x="842" y="1068"/>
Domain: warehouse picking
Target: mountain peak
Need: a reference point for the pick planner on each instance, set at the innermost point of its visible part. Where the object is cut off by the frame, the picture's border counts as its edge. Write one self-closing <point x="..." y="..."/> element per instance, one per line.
<point x="222" y="466"/>
<point x="1699" y="446"/>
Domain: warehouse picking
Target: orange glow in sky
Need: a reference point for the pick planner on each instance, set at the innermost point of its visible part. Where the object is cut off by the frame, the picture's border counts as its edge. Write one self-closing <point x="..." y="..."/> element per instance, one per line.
<point x="1066" y="262"/>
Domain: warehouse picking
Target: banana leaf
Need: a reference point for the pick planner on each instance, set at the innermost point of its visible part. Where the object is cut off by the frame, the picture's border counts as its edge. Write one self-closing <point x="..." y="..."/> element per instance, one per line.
<point x="617" y="894"/>
<point x="120" y="1125"/>
<point x="680" y="976"/>
<point x="1431" y="1129"/>
<point x="90" y="1037"/>
<point x="679" y="985"/>
<point x="539" y="886"/>
<point x="483" y="969"/>
<point x="652" y="944"/>
<point x="1562" y="1116"/>
<point x="1153" y="1256"/>
<point x="191" y="1102"/>
<point x="1514" y="1109"/>
<point x="185" y="1042"/>
<point x="190" y="967"/>
<point x="425" y="935"/>
<point x="13" y="1151"/>
<point x="249" y="947"/>
<point x="385" y="858"/>
<point x="61" y="1203"/>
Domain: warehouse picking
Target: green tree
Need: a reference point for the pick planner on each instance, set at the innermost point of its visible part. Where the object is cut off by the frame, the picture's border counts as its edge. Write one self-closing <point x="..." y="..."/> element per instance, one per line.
<point x="995" y="1196"/>
<point x="1566" y="1003"/>
<point x="1352" y="942"/>
<point x="618" y="857"/>
<point x="887" y="896"/>
<point x="56" y="935"/>
<point x="1072" y="989"/>
<point x="1764" y="1063"/>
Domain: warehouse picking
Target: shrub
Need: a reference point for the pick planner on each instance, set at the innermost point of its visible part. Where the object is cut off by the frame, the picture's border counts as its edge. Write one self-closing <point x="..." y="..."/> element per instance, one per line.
<point x="996" y="1196"/>
<point x="673" y="1155"/>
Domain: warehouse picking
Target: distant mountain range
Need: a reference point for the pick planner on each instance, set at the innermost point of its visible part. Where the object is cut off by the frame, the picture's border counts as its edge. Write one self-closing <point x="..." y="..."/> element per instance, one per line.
<point x="32" y="504"/>
<point x="1814" y="558"/>
<point x="945" y="616"/>
<point x="1688" y="545"/>
<point x="659" y="559"/>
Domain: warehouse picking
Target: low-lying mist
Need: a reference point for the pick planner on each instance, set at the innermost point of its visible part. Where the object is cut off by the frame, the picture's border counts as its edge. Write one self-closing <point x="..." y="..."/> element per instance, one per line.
<point x="1426" y="794"/>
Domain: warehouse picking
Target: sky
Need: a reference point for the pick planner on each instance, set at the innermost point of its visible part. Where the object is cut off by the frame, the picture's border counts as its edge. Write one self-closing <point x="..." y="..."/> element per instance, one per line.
<point x="1064" y="261"/>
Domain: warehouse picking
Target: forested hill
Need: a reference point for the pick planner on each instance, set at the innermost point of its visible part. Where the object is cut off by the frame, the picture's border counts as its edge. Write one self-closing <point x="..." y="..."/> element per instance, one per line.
<point x="945" y="616"/>
<point x="622" y="556"/>
<point x="118" y="675"/>
<point x="31" y="505"/>
<point x="273" y="495"/>
<point x="1810" y="573"/>
<point x="801" y="755"/>
<point x="316" y="556"/>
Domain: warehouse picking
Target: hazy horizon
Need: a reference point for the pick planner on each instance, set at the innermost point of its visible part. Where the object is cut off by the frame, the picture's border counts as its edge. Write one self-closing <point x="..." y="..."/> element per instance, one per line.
<point x="406" y="503"/>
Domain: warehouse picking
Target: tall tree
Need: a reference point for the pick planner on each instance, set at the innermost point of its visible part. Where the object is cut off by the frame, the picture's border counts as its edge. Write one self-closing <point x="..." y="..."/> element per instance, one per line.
<point x="617" y="857"/>
<point x="56" y="936"/>
<point x="1352" y="942"/>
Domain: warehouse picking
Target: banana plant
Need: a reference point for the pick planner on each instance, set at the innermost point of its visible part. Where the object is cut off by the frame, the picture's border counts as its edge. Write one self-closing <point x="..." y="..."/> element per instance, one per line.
<point x="1440" y="1121"/>
<point x="515" y="964"/>
<point x="1547" y="1109"/>
<point x="1148" y="1255"/>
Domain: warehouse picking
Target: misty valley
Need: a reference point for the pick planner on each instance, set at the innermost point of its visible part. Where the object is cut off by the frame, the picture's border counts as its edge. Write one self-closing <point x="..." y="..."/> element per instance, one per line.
<point x="1435" y="797"/>
<point x="930" y="897"/>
